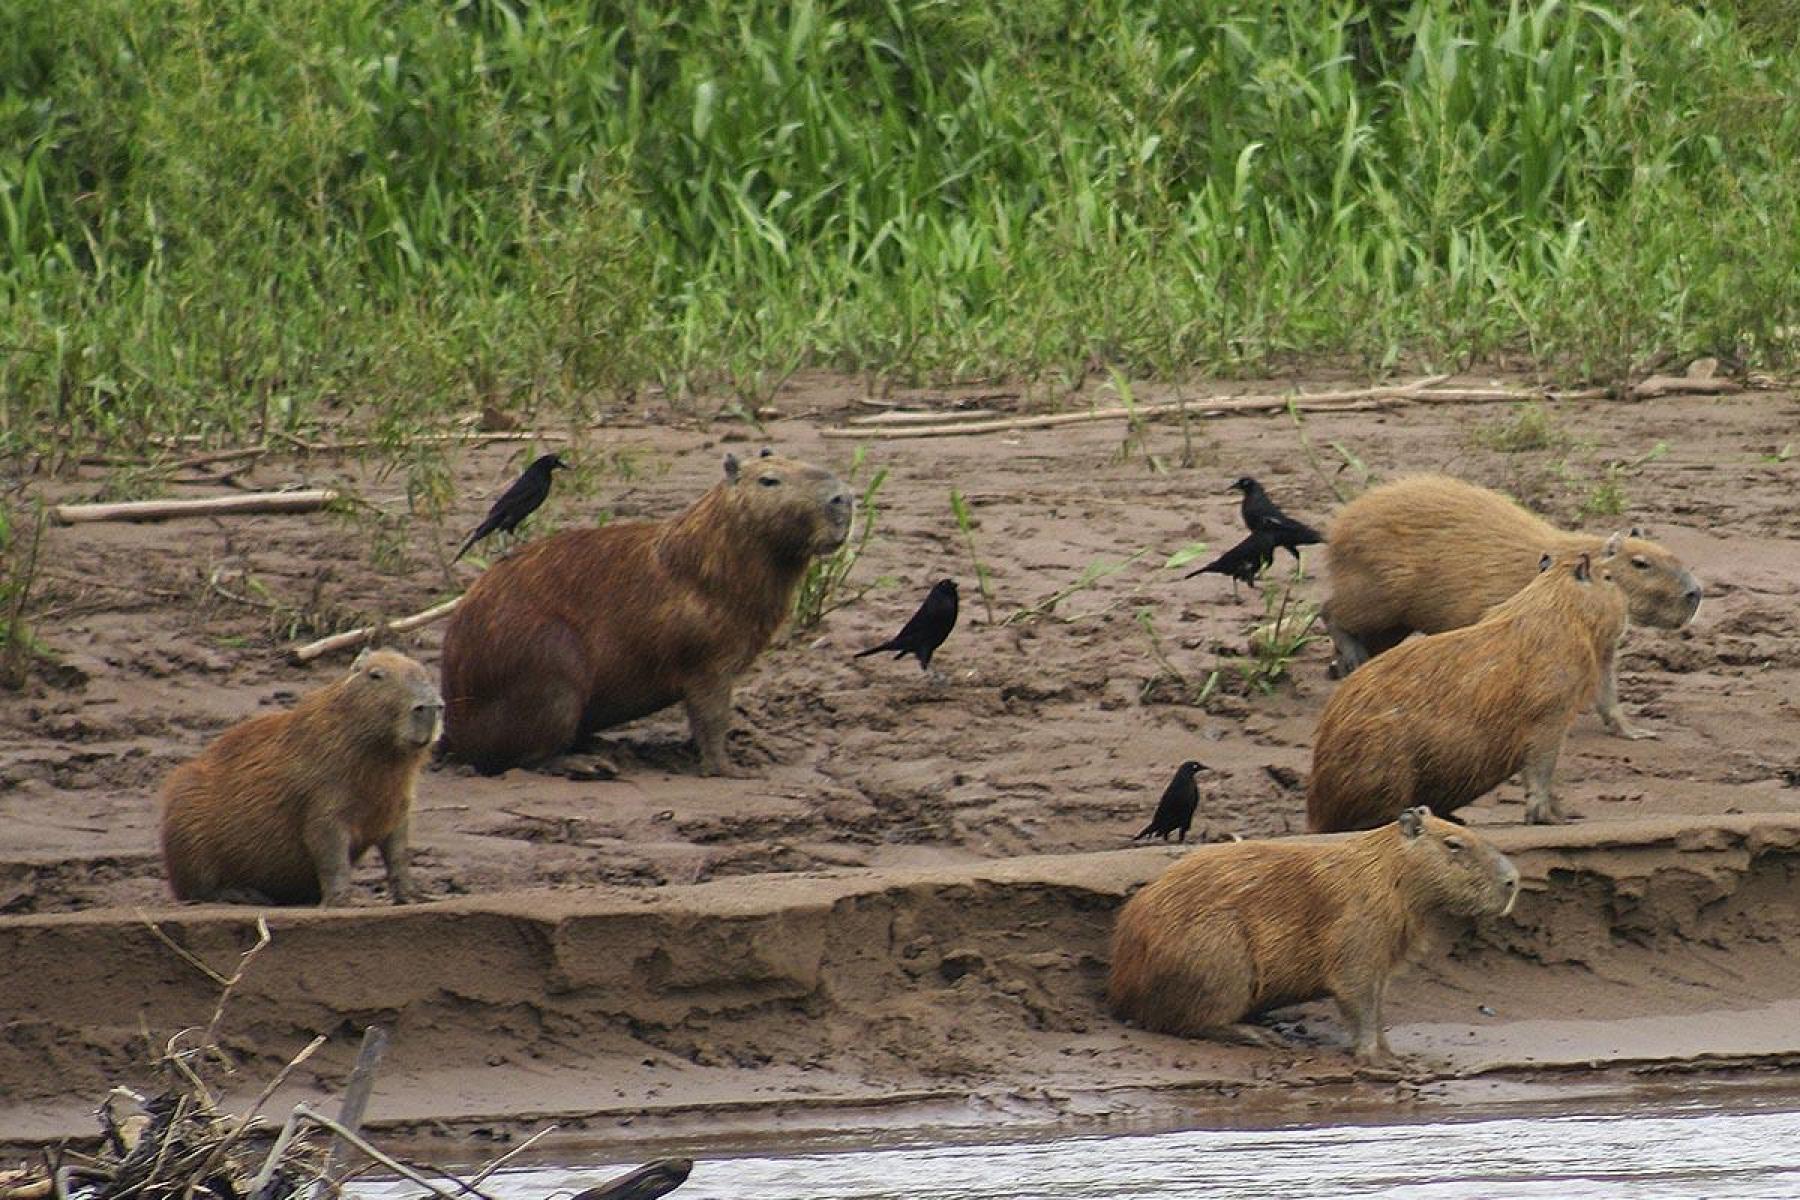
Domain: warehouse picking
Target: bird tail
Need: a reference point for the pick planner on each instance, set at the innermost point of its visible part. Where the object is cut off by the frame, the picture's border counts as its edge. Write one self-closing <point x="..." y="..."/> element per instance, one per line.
<point x="473" y="537"/>
<point x="873" y="650"/>
<point x="1212" y="566"/>
<point x="1145" y="832"/>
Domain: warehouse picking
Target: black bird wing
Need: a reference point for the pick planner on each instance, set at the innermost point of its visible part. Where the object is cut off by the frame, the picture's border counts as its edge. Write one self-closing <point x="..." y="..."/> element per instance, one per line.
<point x="925" y="630"/>
<point x="516" y="503"/>
<point x="1243" y="561"/>
<point x="1263" y="515"/>
<point x="1175" y="809"/>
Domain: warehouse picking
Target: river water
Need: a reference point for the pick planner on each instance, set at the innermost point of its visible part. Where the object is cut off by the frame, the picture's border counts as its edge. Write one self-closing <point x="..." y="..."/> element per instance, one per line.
<point x="1703" y="1154"/>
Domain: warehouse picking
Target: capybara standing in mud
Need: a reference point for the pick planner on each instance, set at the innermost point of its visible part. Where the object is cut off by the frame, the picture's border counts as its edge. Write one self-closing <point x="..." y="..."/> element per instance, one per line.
<point x="1444" y="718"/>
<point x="1237" y="929"/>
<point x="279" y="807"/>
<point x="594" y="627"/>
<point x="1430" y="553"/>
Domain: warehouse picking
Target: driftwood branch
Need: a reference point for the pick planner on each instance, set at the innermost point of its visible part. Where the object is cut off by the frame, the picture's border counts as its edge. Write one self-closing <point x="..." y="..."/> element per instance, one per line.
<point x="356" y="1103"/>
<point x="311" y="500"/>
<point x="359" y="636"/>
<point x="1420" y="391"/>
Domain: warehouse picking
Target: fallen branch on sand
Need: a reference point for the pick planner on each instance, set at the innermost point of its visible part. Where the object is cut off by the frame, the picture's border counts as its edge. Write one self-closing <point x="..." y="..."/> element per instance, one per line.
<point x="311" y="500"/>
<point x="1420" y="391"/>
<point x="358" y="636"/>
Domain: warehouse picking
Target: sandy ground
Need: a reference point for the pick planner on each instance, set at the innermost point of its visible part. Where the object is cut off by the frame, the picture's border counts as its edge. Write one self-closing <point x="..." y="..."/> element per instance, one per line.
<point x="1046" y="743"/>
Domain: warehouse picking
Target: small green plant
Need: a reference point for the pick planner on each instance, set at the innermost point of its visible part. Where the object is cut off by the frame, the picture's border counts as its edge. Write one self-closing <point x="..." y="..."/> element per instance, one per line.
<point x="18" y="573"/>
<point x="1607" y="497"/>
<point x="1090" y="575"/>
<point x="822" y="589"/>
<point x="1286" y="631"/>
<point x="1168" y="675"/>
<point x="1529" y="428"/>
<point x="965" y="521"/>
<point x="1351" y="462"/>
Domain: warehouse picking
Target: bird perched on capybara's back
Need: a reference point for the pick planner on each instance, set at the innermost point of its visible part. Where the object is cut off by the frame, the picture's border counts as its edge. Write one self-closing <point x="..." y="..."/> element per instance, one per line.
<point x="279" y="807"/>
<point x="1429" y="553"/>
<point x="1237" y="929"/>
<point x="1442" y="719"/>
<point x="590" y="628"/>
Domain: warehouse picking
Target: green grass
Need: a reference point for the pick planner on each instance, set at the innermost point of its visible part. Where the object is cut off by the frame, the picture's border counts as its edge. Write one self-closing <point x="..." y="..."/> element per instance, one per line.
<point x="229" y="221"/>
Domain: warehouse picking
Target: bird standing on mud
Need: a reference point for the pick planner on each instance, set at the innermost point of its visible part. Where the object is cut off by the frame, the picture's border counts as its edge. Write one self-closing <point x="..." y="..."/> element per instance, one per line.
<point x="1261" y="515"/>
<point x="926" y="629"/>
<point x="1175" y="811"/>
<point x="1242" y="563"/>
<point x="519" y="501"/>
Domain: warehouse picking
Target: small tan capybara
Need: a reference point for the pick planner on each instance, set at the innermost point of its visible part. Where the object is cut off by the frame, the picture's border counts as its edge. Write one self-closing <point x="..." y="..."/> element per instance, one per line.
<point x="1239" y="928"/>
<point x="591" y="628"/>
<point x="1443" y="719"/>
<point x="279" y="807"/>
<point x="1430" y="553"/>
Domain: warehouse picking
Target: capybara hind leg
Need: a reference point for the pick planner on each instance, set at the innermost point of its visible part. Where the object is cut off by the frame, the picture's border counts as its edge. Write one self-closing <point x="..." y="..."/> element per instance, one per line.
<point x="328" y="842"/>
<point x="1541" y="807"/>
<point x="1607" y="704"/>
<point x="395" y="857"/>
<point x="709" y="719"/>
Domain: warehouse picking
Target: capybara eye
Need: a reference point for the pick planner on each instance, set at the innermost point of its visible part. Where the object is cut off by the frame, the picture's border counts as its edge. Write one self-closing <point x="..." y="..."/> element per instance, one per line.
<point x="1455" y="845"/>
<point x="770" y="481"/>
<point x="1640" y="562"/>
<point x="377" y="673"/>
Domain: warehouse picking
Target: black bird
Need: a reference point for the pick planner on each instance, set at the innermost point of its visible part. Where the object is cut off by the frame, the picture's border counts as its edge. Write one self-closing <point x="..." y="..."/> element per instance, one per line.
<point x="1243" y="562"/>
<point x="1175" y="811"/>
<point x="926" y="629"/>
<point x="1262" y="516"/>
<point x="518" y="502"/>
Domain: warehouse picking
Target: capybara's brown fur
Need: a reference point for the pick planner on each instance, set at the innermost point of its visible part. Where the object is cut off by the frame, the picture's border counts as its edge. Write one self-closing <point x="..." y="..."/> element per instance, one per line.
<point x="1236" y="929"/>
<point x="1430" y="553"/>
<point x="279" y="807"/>
<point x="590" y="628"/>
<point x="1442" y="719"/>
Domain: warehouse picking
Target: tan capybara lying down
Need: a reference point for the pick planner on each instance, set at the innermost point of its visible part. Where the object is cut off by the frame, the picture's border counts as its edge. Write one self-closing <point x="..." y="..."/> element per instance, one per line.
<point x="1239" y="928"/>
<point x="279" y="807"/>
<point x="1442" y="719"/>
<point x="590" y="628"/>
<point x="1430" y="553"/>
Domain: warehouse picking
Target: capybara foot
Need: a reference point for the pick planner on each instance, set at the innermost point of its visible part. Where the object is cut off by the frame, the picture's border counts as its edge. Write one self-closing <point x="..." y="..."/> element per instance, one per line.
<point x="1620" y="727"/>
<point x="1545" y="813"/>
<point x="1243" y="1034"/>
<point x="726" y="769"/>
<point x="581" y="768"/>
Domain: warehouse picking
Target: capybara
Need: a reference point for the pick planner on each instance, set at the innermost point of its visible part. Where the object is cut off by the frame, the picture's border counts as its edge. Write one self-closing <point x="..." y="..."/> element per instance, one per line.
<point x="1442" y="719"/>
<point x="590" y="628"/>
<point x="1239" y="928"/>
<point x="1430" y="553"/>
<point x="279" y="807"/>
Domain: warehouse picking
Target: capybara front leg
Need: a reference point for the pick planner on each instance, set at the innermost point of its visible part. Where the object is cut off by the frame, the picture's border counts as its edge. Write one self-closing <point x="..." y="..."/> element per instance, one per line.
<point x="1607" y="703"/>
<point x="395" y="856"/>
<point x="1362" y="1009"/>
<point x="709" y="720"/>
<point x="1351" y="653"/>
<point x="328" y="841"/>
<point x="1541" y="807"/>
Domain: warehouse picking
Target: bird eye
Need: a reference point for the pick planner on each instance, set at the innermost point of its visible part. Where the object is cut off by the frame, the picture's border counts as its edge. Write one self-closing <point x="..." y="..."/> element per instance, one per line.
<point x="770" y="481"/>
<point x="1640" y="562"/>
<point x="1455" y="845"/>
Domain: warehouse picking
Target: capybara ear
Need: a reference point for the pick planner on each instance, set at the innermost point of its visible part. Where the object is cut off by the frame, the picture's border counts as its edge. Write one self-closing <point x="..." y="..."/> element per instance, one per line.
<point x="765" y="452"/>
<point x="1544" y="562"/>
<point x="1584" y="569"/>
<point x="731" y="467"/>
<point x="1612" y="544"/>
<point x="362" y="660"/>
<point x="1412" y="821"/>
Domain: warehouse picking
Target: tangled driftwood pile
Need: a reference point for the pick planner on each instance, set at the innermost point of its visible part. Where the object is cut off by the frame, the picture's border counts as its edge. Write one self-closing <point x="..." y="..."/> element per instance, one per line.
<point x="178" y="1144"/>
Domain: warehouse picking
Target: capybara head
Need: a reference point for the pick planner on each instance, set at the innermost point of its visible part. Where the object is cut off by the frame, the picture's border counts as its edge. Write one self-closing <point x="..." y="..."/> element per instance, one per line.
<point x="1659" y="591"/>
<point x="1454" y="867"/>
<point x="393" y="699"/>
<point x="799" y="510"/>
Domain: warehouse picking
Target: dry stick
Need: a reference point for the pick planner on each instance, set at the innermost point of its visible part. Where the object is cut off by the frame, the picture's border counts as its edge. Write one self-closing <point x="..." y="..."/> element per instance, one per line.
<point x="1197" y="405"/>
<point x="243" y="1123"/>
<point x="356" y="637"/>
<point x="311" y="500"/>
<point x="522" y="1147"/>
<point x="356" y="1103"/>
<point x="392" y="1164"/>
<point x="924" y="418"/>
<point x="463" y="439"/>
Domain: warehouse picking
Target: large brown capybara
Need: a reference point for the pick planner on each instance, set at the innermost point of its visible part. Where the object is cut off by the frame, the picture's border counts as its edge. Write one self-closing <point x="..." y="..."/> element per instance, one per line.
<point x="1443" y="719"/>
<point x="590" y="628"/>
<point x="1430" y="553"/>
<point x="279" y="807"/>
<point x="1239" y="928"/>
